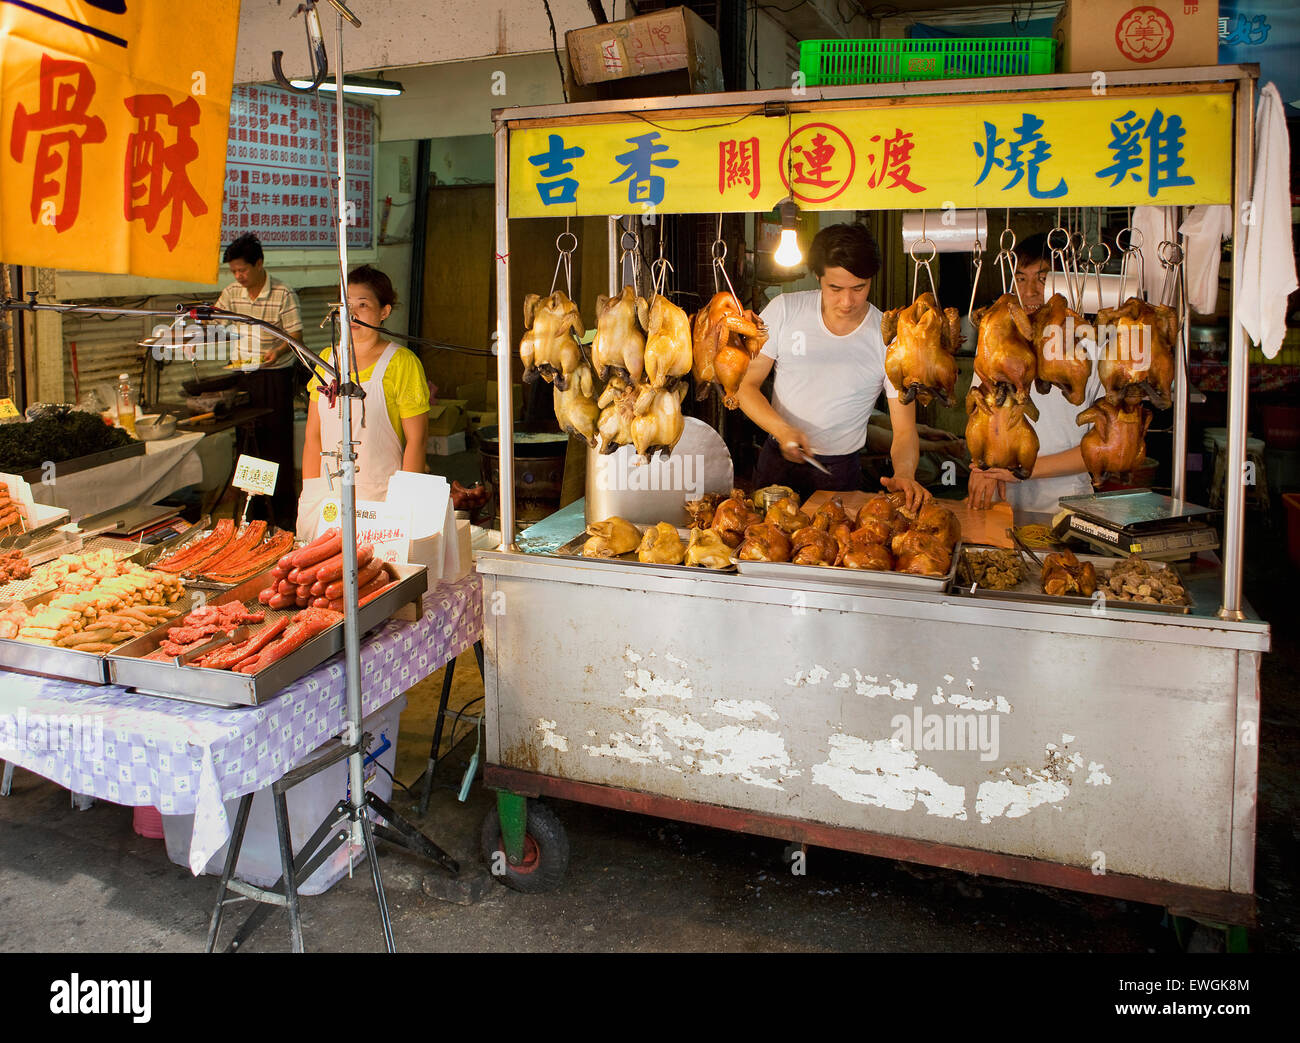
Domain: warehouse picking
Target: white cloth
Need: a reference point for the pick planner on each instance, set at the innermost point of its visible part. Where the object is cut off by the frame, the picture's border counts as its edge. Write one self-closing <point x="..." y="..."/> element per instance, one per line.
<point x="379" y="453"/>
<point x="167" y="465"/>
<point x="825" y="385"/>
<point x="1057" y="432"/>
<point x="1267" y="274"/>
<point x="1154" y="225"/>
<point x="1204" y="229"/>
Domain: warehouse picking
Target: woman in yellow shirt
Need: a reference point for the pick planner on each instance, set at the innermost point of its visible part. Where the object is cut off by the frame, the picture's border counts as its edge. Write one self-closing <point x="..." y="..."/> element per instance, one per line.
<point x="396" y="404"/>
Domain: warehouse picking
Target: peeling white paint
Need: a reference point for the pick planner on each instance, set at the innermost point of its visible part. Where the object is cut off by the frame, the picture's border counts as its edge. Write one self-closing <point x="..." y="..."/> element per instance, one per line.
<point x="947" y="678"/>
<point x="883" y="773"/>
<point x="639" y="749"/>
<point x="630" y="674"/>
<point x="965" y="702"/>
<point x="903" y="690"/>
<point x="744" y="709"/>
<point x="550" y="737"/>
<point x="675" y="661"/>
<point x="844" y="682"/>
<point x="1003" y="705"/>
<point x="796" y="681"/>
<point x="818" y="674"/>
<point x="650" y="684"/>
<point x="970" y="685"/>
<point x="591" y="732"/>
<point x="1097" y="775"/>
<point x="938" y="698"/>
<point x="1067" y="739"/>
<point x="975" y="662"/>
<point x="870" y="690"/>
<point x="632" y="656"/>
<point x="1013" y="800"/>
<point x="746" y="753"/>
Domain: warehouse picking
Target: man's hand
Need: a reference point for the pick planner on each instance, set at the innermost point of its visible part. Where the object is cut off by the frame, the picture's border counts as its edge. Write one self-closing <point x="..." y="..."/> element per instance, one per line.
<point x="794" y="445"/>
<point x="914" y="491"/>
<point x="987" y="486"/>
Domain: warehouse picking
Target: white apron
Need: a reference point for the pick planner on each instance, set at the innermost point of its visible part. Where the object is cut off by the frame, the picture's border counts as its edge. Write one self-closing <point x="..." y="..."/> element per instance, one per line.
<point x="379" y="454"/>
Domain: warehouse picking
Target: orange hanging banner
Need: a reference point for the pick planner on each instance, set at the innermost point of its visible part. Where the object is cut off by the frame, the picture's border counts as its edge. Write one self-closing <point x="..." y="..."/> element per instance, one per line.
<point x="113" y="131"/>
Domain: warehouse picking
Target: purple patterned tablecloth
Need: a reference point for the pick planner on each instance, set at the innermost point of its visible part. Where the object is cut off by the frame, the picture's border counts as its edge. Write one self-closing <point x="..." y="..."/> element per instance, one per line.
<point x="187" y="758"/>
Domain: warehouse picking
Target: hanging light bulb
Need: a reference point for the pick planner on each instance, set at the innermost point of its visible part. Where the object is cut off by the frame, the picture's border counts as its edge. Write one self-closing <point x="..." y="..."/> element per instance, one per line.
<point x="788" y="253"/>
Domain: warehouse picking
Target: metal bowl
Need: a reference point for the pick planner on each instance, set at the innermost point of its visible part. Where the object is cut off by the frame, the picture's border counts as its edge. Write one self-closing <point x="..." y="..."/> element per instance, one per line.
<point x="154" y="428"/>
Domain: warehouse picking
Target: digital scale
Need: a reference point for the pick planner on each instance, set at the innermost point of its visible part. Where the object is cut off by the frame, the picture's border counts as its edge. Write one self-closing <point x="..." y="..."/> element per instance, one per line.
<point x="1137" y="522"/>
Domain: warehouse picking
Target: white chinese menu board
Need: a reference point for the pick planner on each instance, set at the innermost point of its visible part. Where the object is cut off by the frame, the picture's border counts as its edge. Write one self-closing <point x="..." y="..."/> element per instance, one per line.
<point x="278" y="174"/>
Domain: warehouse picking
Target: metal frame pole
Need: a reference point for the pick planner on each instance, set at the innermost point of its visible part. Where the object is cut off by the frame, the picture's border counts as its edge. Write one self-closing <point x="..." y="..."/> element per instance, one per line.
<point x="348" y="460"/>
<point x="1179" y="450"/>
<point x="505" y="391"/>
<point x="1238" y="364"/>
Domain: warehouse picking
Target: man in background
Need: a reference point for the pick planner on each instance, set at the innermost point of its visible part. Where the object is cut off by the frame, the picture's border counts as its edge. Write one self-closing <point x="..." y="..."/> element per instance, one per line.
<point x="268" y="364"/>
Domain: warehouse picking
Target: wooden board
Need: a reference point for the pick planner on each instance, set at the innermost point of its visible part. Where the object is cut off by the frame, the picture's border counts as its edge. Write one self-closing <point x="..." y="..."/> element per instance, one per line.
<point x="984" y="528"/>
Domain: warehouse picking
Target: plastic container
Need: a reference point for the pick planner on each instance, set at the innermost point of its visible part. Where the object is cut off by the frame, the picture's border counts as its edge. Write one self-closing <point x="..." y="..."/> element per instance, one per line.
<point x="308" y="802"/>
<point x="126" y="404"/>
<point x="830" y="63"/>
<point x="148" y="822"/>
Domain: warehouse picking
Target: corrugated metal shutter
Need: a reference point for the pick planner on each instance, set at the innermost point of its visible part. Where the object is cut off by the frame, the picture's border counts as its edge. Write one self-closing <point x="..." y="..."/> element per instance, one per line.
<point x="106" y="348"/>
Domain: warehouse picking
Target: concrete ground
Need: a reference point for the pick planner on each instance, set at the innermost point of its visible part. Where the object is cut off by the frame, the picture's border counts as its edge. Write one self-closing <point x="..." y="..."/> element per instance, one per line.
<point x="75" y="881"/>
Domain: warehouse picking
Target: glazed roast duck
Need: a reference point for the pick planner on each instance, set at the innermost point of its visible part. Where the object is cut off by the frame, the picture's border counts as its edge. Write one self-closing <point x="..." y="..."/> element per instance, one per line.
<point x="920" y="357"/>
<point x="726" y="338"/>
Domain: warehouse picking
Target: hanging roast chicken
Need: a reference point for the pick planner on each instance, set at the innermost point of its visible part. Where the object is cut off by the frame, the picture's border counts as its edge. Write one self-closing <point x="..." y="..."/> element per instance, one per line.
<point x="1116" y="445"/>
<point x="549" y="347"/>
<point x="617" y="405"/>
<point x="999" y="434"/>
<point x="1063" y="362"/>
<point x="618" y="348"/>
<point x="667" y="345"/>
<point x="726" y="337"/>
<point x="1140" y="350"/>
<point x="575" y="405"/>
<point x="921" y="348"/>
<point x="1004" y="350"/>
<point x="657" y="421"/>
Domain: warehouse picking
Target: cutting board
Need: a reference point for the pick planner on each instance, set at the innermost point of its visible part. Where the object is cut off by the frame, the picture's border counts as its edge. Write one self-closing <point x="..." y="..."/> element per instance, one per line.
<point x="986" y="528"/>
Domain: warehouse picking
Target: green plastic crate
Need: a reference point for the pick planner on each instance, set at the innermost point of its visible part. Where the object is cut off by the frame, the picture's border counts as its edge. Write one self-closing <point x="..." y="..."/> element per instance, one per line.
<point x="834" y="63"/>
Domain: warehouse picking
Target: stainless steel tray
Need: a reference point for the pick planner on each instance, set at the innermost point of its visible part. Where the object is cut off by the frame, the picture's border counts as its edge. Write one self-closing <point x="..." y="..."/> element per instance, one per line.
<point x="856" y="578"/>
<point x="199" y="684"/>
<point x="67" y="663"/>
<point x="573" y="549"/>
<point x="1028" y="590"/>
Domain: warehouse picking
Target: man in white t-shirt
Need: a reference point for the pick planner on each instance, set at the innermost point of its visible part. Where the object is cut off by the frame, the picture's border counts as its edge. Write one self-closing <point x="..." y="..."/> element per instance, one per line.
<point x="830" y="370"/>
<point x="1059" y="470"/>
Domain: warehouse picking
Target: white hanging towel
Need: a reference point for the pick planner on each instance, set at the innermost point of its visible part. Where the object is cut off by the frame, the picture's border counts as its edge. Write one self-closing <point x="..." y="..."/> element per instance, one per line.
<point x="1154" y="225"/>
<point x="1268" y="273"/>
<point x="1204" y="230"/>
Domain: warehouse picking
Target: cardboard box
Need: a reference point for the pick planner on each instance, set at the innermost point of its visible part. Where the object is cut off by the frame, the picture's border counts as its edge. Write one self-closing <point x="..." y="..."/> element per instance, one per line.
<point x="1136" y="34"/>
<point x="482" y="395"/>
<point x="447" y="416"/>
<point x="661" y="42"/>
<point x="445" y="445"/>
<point x="476" y="419"/>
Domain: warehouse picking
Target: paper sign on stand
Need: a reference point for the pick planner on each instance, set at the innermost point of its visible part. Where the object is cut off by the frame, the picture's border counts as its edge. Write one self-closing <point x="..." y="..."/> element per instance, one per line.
<point x="255" y="476"/>
<point x="382" y="525"/>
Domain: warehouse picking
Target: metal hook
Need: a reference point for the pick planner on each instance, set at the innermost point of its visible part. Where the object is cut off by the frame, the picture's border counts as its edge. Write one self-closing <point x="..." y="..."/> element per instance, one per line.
<point x="659" y="270"/>
<point x="923" y="263"/>
<point x="977" y="267"/>
<point x="316" y="53"/>
<point x="564" y="259"/>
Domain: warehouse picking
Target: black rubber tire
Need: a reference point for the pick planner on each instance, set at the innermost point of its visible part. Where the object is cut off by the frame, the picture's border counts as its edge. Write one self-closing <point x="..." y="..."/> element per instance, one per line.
<point x="546" y="852"/>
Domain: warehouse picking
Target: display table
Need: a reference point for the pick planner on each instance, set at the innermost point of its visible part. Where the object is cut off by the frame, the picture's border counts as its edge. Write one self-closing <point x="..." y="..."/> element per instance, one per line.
<point x="167" y="465"/>
<point x="186" y="758"/>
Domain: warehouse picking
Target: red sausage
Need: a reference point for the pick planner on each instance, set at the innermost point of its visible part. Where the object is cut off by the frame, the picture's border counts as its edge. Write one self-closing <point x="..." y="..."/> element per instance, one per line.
<point x="281" y="601"/>
<point x="266" y="594"/>
<point x="376" y="591"/>
<point x="292" y="576"/>
<point x="314" y="553"/>
<point x="321" y="602"/>
<point x="284" y="587"/>
<point x="278" y="573"/>
<point x="332" y="571"/>
<point x="335" y="590"/>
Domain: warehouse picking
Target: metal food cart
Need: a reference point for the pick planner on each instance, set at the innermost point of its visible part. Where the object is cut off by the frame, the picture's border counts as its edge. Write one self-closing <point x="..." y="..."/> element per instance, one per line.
<point x="1107" y="751"/>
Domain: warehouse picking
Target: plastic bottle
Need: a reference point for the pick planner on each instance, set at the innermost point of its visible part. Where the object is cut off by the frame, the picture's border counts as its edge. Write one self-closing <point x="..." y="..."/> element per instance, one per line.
<point x="125" y="404"/>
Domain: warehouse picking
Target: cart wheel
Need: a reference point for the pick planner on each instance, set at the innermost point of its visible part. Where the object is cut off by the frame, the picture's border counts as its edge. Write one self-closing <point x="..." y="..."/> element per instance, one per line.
<point x="546" y="852"/>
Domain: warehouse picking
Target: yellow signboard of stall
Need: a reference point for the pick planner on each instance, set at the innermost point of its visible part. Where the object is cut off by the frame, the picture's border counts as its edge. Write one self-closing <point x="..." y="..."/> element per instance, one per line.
<point x="113" y="121"/>
<point x="1112" y="150"/>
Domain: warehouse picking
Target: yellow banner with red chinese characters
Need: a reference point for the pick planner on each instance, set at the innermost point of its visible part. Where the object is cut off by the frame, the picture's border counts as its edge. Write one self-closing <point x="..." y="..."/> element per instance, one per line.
<point x="113" y="123"/>
<point x="1117" y="150"/>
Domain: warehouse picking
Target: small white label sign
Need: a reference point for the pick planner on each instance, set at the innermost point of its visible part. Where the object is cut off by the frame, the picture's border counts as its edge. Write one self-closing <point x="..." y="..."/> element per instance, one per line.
<point x="255" y="476"/>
